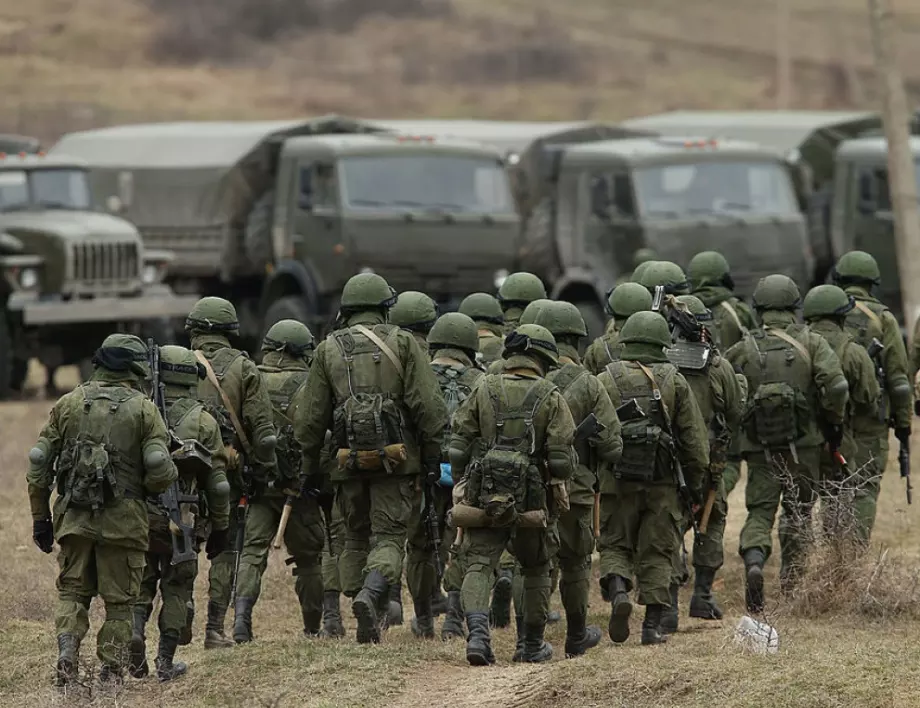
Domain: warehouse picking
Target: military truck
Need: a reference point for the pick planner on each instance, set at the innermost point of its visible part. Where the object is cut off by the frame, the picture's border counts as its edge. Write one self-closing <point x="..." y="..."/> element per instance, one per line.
<point x="276" y="216"/>
<point x="70" y="276"/>
<point x="808" y="141"/>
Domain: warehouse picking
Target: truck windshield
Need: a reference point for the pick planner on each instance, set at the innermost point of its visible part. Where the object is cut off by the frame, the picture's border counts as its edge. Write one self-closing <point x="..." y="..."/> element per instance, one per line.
<point x="50" y="189"/>
<point x="755" y="188"/>
<point x="438" y="182"/>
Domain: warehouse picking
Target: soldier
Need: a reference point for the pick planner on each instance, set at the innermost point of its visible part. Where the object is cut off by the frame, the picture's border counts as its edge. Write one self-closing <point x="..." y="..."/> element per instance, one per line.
<point x="664" y="462"/>
<point x="416" y="313"/>
<point x="517" y="292"/>
<point x="642" y="255"/>
<point x="286" y="352"/>
<point x="526" y="428"/>
<point x="485" y="311"/>
<point x="104" y="448"/>
<point x="371" y="384"/>
<point x="640" y="270"/>
<point x="664" y="273"/>
<point x="585" y="395"/>
<point x="453" y="341"/>
<point x="624" y="300"/>
<point x="857" y="273"/>
<point x="825" y="310"/>
<point x="202" y="471"/>
<point x="721" y="402"/>
<point x="234" y="390"/>
<point x="796" y="393"/>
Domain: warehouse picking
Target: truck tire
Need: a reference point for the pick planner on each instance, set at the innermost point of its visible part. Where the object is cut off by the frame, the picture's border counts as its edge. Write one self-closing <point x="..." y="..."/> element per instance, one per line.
<point x="258" y="237"/>
<point x="289" y="307"/>
<point x="593" y="316"/>
<point x="6" y="360"/>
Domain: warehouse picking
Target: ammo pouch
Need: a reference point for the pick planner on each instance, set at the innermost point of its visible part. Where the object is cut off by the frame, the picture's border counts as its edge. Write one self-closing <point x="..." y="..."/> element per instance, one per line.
<point x="505" y="482"/>
<point x="772" y="418"/>
<point x="367" y="428"/>
<point x="89" y="482"/>
<point x="641" y="443"/>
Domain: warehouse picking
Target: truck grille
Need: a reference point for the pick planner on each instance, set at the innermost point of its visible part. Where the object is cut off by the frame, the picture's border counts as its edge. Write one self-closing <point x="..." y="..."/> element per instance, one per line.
<point x="105" y="264"/>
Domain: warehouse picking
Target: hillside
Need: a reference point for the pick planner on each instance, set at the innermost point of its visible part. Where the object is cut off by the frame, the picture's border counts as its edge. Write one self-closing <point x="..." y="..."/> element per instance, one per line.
<point x="70" y="64"/>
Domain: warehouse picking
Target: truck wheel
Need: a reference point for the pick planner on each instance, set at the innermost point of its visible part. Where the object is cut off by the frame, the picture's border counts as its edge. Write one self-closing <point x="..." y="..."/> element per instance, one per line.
<point x="289" y="307"/>
<point x="6" y="360"/>
<point x="593" y="316"/>
<point x="258" y="237"/>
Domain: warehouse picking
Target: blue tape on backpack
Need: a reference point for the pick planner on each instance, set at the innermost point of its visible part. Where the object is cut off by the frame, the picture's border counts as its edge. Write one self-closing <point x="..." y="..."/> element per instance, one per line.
<point x="447" y="477"/>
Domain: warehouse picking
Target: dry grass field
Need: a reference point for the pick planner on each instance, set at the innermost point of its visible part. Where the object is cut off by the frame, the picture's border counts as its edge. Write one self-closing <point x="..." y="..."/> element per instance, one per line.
<point x="852" y="642"/>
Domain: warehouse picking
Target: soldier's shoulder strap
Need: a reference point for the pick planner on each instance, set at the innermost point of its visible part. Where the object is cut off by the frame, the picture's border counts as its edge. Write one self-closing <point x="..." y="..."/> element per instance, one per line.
<point x="384" y="347"/>
<point x="568" y="376"/>
<point x="234" y="418"/>
<point x="868" y="312"/>
<point x="792" y="341"/>
<point x="733" y="313"/>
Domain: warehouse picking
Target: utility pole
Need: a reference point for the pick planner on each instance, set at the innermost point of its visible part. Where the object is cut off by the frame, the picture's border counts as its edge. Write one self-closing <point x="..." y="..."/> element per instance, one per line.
<point x="902" y="178"/>
<point x="783" y="56"/>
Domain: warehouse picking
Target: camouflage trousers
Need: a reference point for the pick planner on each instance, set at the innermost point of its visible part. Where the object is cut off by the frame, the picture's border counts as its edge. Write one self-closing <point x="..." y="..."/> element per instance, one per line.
<point x="87" y="569"/>
<point x="850" y="495"/>
<point x="303" y="540"/>
<point x="420" y="570"/>
<point x="576" y="544"/>
<point x="220" y="574"/>
<point x="480" y="553"/>
<point x="640" y="535"/>
<point x="709" y="549"/>
<point x="175" y="583"/>
<point x="731" y="474"/>
<point x="377" y="514"/>
<point x="778" y="481"/>
<point x="332" y="551"/>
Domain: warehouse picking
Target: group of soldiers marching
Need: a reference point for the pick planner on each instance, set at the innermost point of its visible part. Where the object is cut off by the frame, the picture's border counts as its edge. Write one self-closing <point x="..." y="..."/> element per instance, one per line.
<point x="476" y="452"/>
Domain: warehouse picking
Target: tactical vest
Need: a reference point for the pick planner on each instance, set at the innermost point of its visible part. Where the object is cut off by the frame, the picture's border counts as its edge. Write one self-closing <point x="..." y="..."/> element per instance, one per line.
<point x="456" y="387"/>
<point x="507" y="479"/>
<point x="210" y="398"/>
<point x="288" y="450"/>
<point x="369" y="420"/>
<point x="564" y="379"/>
<point x="92" y="472"/>
<point x="864" y="323"/>
<point x="648" y="449"/>
<point x="779" y="373"/>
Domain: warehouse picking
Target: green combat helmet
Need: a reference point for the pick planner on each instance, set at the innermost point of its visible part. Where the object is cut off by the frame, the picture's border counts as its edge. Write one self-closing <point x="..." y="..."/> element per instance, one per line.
<point x="482" y="307"/>
<point x="627" y="299"/>
<point x="646" y="328"/>
<point x="289" y="337"/>
<point x="123" y="352"/>
<point x="826" y="301"/>
<point x="366" y="291"/>
<point x="531" y="313"/>
<point x="414" y="311"/>
<point x="532" y="340"/>
<point x="776" y="292"/>
<point x="709" y="268"/>
<point x="667" y="274"/>
<point x="696" y="307"/>
<point x="520" y="289"/>
<point x="643" y="255"/>
<point x="213" y="314"/>
<point x="562" y="319"/>
<point x="855" y="268"/>
<point x="179" y="367"/>
<point x="639" y="271"/>
<point x="455" y="331"/>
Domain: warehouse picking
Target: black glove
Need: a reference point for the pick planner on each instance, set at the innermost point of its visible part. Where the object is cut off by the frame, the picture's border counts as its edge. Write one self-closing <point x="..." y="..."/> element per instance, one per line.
<point x="217" y="543"/>
<point x="833" y="434"/>
<point x="43" y="535"/>
<point x="903" y="436"/>
<point x="917" y="407"/>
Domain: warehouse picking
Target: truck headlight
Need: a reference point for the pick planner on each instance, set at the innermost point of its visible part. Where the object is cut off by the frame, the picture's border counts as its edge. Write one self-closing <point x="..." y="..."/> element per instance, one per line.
<point x="500" y="277"/>
<point x="151" y="274"/>
<point x="28" y="278"/>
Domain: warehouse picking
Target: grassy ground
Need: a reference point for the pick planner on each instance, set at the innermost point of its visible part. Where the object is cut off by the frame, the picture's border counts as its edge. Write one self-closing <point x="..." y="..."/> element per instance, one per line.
<point x="849" y="655"/>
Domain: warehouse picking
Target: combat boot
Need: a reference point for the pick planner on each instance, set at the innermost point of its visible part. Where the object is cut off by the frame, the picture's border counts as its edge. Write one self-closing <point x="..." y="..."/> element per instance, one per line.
<point x="501" y="598"/>
<point x="242" y="619"/>
<point x="670" y="617"/>
<point x="185" y="634"/>
<point x="395" y="608"/>
<point x="536" y="649"/>
<point x="214" y="637"/>
<point x="68" y="652"/>
<point x="453" y="618"/>
<point x="753" y="580"/>
<point x="110" y="676"/>
<point x="366" y="605"/>
<point x="620" y="609"/>
<point x="167" y="669"/>
<point x="423" y="622"/>
<point x="519" y="638"/>
<point x="332" y="616"/>
<point x="579" y="637"/>
<point x="703" y="604"/>
<point x="311" y="622"/>
<point x="479" y="642"/>
<point x="137" y="646"/>
<point x="651" y="625"/>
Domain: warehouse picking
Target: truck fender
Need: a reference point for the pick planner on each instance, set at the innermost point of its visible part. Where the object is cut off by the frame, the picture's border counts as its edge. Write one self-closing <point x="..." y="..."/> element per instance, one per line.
<point x="577" y="285"/>
<point x="291" y="277"/>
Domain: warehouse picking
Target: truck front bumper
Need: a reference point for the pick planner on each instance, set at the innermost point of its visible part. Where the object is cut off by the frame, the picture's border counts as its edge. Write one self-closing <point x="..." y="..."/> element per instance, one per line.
<point x="153" y="303"/>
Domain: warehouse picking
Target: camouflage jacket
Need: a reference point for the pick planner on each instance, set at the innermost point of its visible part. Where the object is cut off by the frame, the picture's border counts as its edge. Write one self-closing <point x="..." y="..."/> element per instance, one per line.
<point x="491" y="343"/>
<point x="731" y="316"/>
<point x="603" y="350"/>
<point x="285" y="381"/>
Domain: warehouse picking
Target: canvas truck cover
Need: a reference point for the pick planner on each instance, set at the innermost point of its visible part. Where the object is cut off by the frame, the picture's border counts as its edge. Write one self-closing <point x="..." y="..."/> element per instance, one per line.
<point x="812" y="136"/>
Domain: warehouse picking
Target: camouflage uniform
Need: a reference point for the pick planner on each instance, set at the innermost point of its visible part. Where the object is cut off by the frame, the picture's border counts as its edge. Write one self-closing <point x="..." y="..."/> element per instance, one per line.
<point x="641" y="509"/>
<point x="351" y="372"/>
<point x="209" y="324"/>
<point x="825" y="311"/>
<point x="525" y="424"/>
<point x="797" y="390"/>
<point x="204" y="475"/>
<point x="103" y="426"/>
<point x="857" y="273"/>
<point x="624" y="300"/>
<point x="486" y="312"/>
<point x="286" y="352"/>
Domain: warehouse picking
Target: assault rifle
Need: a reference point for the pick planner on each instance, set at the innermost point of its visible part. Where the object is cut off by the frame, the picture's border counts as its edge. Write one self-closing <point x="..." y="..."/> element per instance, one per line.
<point x="433" y="523"/>
<point x="875" y="351"/>
<point x="173" y="498"/>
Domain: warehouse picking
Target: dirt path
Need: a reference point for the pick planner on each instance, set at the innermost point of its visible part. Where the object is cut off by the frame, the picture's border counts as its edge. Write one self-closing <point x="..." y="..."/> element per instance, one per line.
<point x="505" y="686"/>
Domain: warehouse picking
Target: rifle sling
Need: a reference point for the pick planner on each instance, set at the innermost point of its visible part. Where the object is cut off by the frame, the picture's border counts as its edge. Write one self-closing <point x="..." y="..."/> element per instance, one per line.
<point x="371" y="335"/>
<point x="725" y="305"/>
<point x="237" y="425"/>
<point x="867" y="311"/>
<point x="789" y="339"/>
